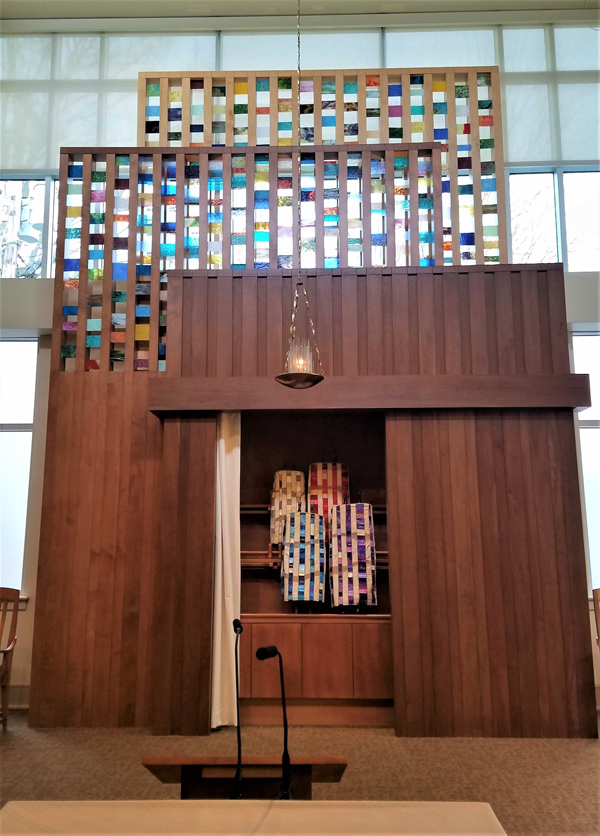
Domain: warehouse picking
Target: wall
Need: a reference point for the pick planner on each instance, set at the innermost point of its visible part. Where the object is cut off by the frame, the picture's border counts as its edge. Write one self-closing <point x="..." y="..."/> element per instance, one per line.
<point x="109" y="602"/>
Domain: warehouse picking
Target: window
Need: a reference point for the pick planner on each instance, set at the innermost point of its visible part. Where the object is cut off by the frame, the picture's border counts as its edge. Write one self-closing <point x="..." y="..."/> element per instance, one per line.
<point x="582" y="214"/>
<point x="18" y="360"/>
<point x="27" y="227"/>
<point x="533" y="218"/>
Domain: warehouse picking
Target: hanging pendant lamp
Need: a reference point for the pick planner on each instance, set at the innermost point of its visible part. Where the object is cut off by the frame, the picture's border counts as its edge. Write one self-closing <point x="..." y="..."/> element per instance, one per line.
<point x="299" y="370"/>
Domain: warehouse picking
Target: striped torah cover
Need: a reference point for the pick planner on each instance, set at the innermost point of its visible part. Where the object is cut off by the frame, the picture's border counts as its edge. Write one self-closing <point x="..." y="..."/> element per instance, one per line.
<point x="303" y="560"/>
<point x="287" y="497"/>
<point x="327" y="486"/>
<point x="352" y="556"/>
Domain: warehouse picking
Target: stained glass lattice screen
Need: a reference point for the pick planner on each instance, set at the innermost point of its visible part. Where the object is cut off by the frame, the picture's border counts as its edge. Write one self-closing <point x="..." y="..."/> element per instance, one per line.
<point x="127" y="217"/>
<point x="457" y="108"/>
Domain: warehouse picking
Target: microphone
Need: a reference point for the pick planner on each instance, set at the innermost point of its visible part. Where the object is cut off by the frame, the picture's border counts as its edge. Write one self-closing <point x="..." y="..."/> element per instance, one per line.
<point x="267" y="652"/>
<point x="236" y="791"/>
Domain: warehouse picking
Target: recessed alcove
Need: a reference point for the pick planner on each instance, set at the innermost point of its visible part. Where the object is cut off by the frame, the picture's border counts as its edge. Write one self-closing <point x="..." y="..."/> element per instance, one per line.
<point x="274" y="441"/>
<point x="338" y="654"/>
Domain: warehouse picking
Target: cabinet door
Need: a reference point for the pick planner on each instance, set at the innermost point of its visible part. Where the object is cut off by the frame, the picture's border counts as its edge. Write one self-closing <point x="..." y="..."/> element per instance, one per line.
<point x="327" y="661"/>
<point x="372" y="661"/>
<point x="265" y="674"/>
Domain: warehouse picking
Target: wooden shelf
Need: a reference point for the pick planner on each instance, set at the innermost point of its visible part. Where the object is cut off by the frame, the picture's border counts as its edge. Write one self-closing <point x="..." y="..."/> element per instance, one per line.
<point x="264" y="559"/>
<point x="311" y="618"/>
<point x="264" y="509"/>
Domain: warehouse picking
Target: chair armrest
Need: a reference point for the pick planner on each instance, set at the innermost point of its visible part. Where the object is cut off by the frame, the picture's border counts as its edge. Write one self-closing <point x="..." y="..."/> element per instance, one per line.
<point x="10" y="646"/>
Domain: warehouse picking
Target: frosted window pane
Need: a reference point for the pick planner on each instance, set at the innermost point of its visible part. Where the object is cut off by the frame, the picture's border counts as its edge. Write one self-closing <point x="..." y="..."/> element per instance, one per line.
<point x="582" y="216"/>
<point x="79" y="57"/>
<point x="590" y="465"/>
<point x="528" y="123"/>
<point x="586" y="360"/>
<point x="121" y="124"/>
<point x="328" y="51"/>
<point x="25" y="57"/>
<point x="577" y="49"/>
<point x="259" y="52"/>
<point x="77" y="120"/>
<point x="130" y="55"/>
<point x="579" y="106"/>
<point x="15" y="455"/>
<point x="21" y="227"/>
<point x="441" y="49"/>
<point x="524" y="50"/>
<point x="532" y="218"/>
<point x="23" y="129"/>
<point x="17" y="381"/>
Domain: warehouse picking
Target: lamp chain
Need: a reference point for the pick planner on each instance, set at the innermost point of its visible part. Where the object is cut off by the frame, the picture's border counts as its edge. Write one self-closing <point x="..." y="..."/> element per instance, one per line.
<point x="299" y="282"/>
<point x="292" y="336"/>
<point x="298" y="140"/>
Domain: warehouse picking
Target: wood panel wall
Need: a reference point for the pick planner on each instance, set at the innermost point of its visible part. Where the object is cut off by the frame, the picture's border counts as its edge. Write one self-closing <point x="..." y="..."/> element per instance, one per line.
<point x="416" y="321"/>
<point x="487" y="575"/>
<point x="91" y="648"/>
<point x="488" y="594"/>
<point x="183" y="593"/>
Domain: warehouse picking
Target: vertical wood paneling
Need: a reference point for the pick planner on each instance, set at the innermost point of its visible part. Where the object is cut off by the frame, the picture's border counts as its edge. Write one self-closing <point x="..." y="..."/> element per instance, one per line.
<point x="433" y="528"/>
<point x="426" y="323"/>
<point x="487" y="578"/>
<point x="374" y="329"/>
<point x="452" y="599"/>
<point x="505" y="332"/>
<point x="521" y="578"/>
<point x="224" y="325"/>
<point x="480" y="592"/>
<point x="249" y="329"/>
<point x="502" y="653"/>
<point x="492" y="558"/>
<point x="574" y="594"/>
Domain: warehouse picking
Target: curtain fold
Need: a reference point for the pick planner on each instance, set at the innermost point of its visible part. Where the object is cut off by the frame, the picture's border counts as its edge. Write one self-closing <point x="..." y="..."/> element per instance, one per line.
<point x="226" y="605"/>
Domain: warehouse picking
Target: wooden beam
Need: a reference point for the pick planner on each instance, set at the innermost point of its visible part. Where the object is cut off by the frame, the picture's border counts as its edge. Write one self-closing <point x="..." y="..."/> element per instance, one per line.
<point x="372" y="392"/>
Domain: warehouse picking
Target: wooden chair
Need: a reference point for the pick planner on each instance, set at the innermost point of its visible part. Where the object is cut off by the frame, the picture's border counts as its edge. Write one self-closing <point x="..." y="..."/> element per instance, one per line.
<point x="8" y="640"/>
<point x="596" y="594"/>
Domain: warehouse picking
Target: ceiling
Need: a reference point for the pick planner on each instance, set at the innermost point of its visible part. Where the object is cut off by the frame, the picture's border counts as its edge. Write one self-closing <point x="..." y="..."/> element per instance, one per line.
<point x="104" y="9"/>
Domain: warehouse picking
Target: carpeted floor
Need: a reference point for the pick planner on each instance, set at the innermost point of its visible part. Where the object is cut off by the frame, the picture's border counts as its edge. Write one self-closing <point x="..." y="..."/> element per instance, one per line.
<point x="549" y="787"/>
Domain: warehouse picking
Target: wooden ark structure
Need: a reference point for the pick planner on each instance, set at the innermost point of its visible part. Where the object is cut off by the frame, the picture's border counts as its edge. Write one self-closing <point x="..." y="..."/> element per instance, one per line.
<point x="448" y="392"/>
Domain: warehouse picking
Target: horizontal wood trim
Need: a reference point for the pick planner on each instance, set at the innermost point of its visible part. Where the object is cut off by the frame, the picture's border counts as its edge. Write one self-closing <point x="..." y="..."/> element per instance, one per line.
<point x="313" y="618"/>
<point x="370" y="392"/>
<point x="316" y="713"/>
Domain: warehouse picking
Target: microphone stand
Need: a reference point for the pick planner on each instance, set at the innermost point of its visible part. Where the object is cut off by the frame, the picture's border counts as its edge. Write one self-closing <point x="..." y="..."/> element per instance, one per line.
<point x="286" y="769"/>
<point x="236" y="791"/>
<point x="268" y="652"/>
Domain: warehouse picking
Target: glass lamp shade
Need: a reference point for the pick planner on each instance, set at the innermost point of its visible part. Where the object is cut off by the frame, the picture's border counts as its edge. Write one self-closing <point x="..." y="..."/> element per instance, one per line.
<point x="299" y="372"/>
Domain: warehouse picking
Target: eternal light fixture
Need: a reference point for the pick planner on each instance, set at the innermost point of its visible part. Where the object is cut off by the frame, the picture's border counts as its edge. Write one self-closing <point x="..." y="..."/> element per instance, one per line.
<point x="299" y="370"/>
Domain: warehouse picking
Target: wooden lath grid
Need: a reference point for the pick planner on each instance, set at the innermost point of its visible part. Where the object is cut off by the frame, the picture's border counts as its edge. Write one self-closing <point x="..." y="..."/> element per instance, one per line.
<point x="363" y="207"/>
<point x="457" y="107"/>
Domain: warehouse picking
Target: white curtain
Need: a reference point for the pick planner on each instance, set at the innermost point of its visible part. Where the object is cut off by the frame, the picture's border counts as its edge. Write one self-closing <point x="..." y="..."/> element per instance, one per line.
<point x="226" y="605"/>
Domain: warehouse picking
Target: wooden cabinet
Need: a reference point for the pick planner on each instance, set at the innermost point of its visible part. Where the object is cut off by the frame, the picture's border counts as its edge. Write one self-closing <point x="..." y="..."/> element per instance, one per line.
<point x="324" y="657"/>
<point x="265" y="674"/>
<point x="327" y="660"/>
<point x="372" y="667"/>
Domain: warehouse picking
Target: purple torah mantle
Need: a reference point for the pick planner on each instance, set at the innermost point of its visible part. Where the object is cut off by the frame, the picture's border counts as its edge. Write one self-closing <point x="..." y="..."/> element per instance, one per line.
<point x="352" y="555"/>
